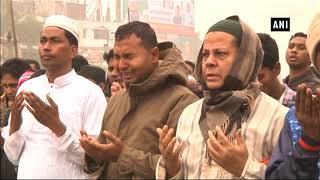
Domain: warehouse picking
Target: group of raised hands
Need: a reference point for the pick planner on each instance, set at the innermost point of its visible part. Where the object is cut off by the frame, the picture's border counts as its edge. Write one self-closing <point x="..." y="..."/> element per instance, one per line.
<point x="101" y="151"/>
<point x="233" y="156"/>
<point x="45" y="113"/>
<point x="230" y="156"/>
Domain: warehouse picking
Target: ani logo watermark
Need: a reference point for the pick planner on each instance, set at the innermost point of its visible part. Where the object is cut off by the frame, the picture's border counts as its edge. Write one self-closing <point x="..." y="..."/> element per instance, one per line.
<point x="280" y="24"/>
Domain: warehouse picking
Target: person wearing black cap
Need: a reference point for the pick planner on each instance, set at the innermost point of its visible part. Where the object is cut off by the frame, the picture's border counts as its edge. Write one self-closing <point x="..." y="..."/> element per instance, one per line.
<point x="231" y="132"/>
<point x="270" y="70"/>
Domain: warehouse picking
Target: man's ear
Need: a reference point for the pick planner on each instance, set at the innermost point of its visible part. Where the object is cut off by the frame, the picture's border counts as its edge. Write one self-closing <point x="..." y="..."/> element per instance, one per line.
<point x="276" y="69"/>
<point x="74" y="50"/>
<point x="155" y="54"/>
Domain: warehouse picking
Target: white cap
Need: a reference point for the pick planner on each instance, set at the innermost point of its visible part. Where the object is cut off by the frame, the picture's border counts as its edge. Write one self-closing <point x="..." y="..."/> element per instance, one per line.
<point x="64" y="23"/>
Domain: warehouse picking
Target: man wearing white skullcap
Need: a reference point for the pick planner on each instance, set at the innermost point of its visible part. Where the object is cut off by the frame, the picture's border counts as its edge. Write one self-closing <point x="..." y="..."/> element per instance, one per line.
<point x="49" y="111"/>
<point x="64" y="23"/>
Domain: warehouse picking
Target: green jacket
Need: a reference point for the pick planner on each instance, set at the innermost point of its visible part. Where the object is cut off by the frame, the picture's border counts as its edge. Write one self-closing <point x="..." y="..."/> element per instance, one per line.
<point x="134" y="114"/>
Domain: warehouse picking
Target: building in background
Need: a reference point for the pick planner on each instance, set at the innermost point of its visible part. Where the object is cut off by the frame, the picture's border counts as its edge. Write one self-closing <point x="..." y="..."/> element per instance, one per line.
<point x="98" y="21"/>
<point x="172" y="20"/>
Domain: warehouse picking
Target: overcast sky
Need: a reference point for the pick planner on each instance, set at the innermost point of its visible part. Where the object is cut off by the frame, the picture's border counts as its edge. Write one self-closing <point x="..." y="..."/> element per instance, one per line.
<point x="257" y="15"/>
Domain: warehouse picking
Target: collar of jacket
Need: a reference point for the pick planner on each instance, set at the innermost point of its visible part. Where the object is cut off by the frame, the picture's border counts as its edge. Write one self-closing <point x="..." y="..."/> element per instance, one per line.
<point x="171" y="69"/>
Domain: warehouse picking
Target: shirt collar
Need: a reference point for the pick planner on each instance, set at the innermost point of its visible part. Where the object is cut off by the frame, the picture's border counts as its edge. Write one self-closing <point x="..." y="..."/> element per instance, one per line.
<point x="64" y="79"/>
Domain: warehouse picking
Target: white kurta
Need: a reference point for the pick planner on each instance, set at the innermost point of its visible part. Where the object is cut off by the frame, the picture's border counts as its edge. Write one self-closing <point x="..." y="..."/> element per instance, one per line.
<point x="36" y="149"/>
<point x="260" y="133"/>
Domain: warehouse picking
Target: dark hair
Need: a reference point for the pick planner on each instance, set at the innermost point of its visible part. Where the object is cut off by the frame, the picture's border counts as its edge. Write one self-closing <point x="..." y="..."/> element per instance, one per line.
<point x="38" y="73"/>
<point x="298" y="34"/>
<point x="93" y="72"/>
<point x="15" y="67"/>
<point x="31" y="61"/>
<point x="108" y="56"/>
<point x="141" y="30"/>
<point x="270" y="49"/>
<point x="190" y="64"/>
<point x="78" y="61"/>
<point x="71" y="38"/>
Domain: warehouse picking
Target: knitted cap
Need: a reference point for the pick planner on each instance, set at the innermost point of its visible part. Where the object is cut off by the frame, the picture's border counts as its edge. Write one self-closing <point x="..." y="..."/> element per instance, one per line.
<point x="228" y="26"/>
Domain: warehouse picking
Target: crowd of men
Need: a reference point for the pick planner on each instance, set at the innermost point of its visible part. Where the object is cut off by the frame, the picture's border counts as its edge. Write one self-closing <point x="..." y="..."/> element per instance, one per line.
<point x="152" y="114"/>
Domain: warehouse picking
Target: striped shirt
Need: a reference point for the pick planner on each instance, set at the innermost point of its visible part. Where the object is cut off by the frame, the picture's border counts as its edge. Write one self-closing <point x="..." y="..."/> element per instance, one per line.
<point x="260" y="134"/>
<point x="288" y="97"/>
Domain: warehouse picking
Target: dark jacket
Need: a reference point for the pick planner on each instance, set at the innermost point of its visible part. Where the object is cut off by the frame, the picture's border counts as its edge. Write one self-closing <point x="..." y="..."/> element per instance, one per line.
<point x="290" y="158"/>
<point x="309" y="78"/>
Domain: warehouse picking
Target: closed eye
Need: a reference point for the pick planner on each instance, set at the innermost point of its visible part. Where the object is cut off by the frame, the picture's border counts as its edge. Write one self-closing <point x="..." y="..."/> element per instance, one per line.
<point x="220" y="54"/>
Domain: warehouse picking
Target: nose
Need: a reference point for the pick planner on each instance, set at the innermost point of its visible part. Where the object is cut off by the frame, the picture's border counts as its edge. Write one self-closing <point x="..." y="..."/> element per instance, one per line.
<point x="293" y="50"/>
<point x="123" y="65"/>
<point x="211" y="61"/>
<point x="46" y="46"/>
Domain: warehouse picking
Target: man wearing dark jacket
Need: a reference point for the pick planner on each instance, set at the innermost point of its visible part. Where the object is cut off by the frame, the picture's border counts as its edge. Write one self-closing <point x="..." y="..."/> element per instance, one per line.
<point x="297" y="155"/>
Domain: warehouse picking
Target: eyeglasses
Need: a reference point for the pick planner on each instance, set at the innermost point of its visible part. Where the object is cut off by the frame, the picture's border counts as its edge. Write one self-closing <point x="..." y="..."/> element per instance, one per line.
<point x="10" y="85"/>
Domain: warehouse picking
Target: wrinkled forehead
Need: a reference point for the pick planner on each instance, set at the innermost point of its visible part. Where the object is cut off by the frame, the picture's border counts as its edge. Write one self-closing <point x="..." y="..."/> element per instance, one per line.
<point x="52" y="31"/>
<point x="219" y="39"/>
<point x="131" y="43"/>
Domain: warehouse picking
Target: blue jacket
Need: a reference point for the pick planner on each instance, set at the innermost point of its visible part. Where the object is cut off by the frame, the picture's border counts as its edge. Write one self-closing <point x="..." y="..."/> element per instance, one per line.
<point x="291" y="159"/>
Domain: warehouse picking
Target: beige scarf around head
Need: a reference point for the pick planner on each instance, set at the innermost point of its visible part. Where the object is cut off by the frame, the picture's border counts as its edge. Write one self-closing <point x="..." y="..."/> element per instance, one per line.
<point x="231" y="105"/>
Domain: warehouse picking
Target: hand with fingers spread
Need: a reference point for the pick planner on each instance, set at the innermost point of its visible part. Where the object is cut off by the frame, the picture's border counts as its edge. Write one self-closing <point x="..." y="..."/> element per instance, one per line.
<point x="47" y="115"/>
<point x="170" y="149"/>
<point x="16" y="109"/>
<point x="231" y="157"/>
<point x="308" y="111"/>
<point x="91" y="146"/>
<point x="101" y="152"/>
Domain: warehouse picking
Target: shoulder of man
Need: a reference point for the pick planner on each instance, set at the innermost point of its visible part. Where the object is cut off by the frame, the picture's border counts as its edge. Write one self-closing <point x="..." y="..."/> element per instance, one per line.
<point x="181" y="90"/>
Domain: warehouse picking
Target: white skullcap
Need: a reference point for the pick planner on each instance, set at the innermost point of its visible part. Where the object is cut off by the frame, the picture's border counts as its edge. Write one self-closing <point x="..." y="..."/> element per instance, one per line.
<point x="64" y="23"/>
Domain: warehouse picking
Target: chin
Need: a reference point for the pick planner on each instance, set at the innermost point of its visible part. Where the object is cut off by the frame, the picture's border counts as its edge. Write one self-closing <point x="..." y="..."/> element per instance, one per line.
<point x="214" y="85"/>
<point x="44" y="64"/>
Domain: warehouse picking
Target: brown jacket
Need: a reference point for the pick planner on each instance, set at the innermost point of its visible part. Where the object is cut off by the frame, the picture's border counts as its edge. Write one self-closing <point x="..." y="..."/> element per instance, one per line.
<point x="134" y="114"/>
